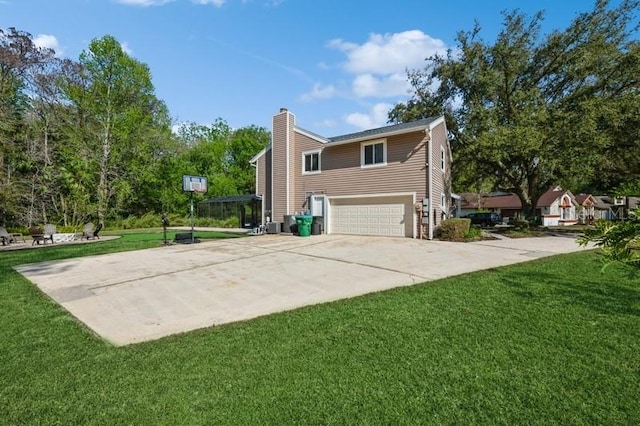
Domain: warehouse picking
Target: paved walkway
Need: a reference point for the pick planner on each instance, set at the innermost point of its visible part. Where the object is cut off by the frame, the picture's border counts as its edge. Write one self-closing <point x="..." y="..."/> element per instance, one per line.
<point x="28" y="243"/>
<point x="144" y="295"/>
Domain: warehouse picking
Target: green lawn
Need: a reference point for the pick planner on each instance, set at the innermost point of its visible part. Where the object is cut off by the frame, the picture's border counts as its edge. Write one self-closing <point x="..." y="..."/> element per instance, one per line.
<point x="552" y="341"/>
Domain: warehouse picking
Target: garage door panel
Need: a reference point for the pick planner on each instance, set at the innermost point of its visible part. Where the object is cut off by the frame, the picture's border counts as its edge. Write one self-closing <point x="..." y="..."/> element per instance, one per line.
<point x="384" y="216"/>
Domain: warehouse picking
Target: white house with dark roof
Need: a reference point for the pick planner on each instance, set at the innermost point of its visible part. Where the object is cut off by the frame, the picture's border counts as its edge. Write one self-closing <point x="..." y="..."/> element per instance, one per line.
<point x="374" y="182"/>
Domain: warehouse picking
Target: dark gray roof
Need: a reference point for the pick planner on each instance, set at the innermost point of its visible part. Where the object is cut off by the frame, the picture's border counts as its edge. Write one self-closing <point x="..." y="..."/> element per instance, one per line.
<point x="233" y="198"/>
<point x="418" y="124"/>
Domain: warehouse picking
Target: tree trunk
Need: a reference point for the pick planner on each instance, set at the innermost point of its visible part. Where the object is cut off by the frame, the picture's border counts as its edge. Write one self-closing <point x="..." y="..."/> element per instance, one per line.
<point x="103" y="185"/>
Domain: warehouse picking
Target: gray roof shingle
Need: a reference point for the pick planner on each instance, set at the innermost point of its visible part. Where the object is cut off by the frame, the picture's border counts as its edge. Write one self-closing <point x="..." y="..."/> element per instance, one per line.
<point x="418" y="124"/>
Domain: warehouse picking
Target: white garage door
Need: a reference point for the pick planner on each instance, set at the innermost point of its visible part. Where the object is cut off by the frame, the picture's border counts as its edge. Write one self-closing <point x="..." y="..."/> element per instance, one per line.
<point x="383" y="216"/>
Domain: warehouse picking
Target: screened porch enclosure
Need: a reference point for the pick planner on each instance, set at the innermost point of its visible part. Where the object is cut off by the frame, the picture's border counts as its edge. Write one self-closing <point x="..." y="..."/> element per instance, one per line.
<point x="246" y="210"/>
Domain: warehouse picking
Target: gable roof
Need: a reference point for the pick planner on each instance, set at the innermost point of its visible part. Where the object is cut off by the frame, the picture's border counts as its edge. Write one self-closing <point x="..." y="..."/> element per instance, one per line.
<point x="585" y="199"/>
<point x="553" y="194"/>
<point x="311" y="134"/>
<point x="394" y="129"/>
<point x="260" y="154"/>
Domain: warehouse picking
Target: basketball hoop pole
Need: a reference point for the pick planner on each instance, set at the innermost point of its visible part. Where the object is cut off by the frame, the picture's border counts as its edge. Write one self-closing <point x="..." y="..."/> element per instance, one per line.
<point x="193" y="184"/>
<point x="192" y="221"/>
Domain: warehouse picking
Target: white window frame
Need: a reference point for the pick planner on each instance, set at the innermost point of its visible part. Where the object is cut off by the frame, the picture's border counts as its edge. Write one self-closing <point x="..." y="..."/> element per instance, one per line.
<point x="311" y="172"/>
<point x="384" y="153"/>
<point x="443" y="158"/>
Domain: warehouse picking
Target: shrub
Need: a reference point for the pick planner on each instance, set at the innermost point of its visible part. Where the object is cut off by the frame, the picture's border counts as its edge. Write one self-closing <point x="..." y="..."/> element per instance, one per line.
<point x="454" y="229"/>
<point x="473" y="233"/>
<point x="154" y="220"/>
<point x="231" y="222"/>
<point x="521" y="225"/>
<point x="148" y="220"/>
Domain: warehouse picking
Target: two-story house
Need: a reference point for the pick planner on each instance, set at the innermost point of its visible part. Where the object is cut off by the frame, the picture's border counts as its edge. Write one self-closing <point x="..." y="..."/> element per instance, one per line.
<point x="374" y="182"/>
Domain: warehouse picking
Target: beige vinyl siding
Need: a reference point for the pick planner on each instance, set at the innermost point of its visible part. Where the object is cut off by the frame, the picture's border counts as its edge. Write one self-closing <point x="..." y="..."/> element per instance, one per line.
<point x="294" y="160"/>
<point x="279" y="167"/>
<point x="341" y="173"/>
<point x="303" y="144"/>
<point x="264" y="180"/>
<point x="261" y="181"/>
<point x="439" y="178"/>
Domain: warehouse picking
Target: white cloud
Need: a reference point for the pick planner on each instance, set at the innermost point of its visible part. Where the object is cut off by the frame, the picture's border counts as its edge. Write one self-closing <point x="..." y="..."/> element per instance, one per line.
<point x="126" y="49"/>
<point x="48" y="41"/>
<point x="216" y="3"/>
<point x="144" y="3"/>
<point x="369" y="85"/>
<point x="389" y="53"/>
<point x="380" y="64"/>
<point x="319" y="92"/>
<point x="376" y="117"/>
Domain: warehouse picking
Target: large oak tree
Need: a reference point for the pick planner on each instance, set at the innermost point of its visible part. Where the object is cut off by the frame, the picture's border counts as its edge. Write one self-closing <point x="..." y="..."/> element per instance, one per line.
<point x="528" y="111"/>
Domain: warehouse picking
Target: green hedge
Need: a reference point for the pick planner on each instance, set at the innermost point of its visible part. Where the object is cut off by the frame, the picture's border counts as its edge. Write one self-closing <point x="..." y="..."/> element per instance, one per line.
<point x="454" y="229"/>
<point x="154" y="220"/>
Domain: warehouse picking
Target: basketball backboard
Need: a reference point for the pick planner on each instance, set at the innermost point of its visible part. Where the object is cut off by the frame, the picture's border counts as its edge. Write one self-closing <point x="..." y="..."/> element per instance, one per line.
<point x="194" y="183"/>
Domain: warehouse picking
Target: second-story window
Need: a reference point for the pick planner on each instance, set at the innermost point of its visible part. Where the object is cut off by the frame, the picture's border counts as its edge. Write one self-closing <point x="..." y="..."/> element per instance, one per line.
<point x="311" y="162"/>
<point x="374" y="153"/>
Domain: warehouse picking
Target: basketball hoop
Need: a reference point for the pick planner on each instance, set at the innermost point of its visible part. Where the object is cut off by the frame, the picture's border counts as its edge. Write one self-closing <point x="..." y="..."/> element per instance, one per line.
<point x="191" y="184"/>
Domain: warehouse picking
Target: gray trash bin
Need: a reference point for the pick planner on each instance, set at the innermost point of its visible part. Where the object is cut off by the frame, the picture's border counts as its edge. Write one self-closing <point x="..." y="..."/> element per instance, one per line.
<point x="289" y="219"/>
<point x="316" y="225"/>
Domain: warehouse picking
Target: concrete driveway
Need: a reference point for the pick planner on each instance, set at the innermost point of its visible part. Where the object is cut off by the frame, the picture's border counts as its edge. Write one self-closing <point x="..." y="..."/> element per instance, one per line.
<point x="144" y="295"/>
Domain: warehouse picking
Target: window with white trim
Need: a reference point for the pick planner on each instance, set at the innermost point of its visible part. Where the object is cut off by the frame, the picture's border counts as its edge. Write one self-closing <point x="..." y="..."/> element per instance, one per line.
<point x="310" y="162"/>
<point x="373" y="153"/>
<point x="443" y="158"/>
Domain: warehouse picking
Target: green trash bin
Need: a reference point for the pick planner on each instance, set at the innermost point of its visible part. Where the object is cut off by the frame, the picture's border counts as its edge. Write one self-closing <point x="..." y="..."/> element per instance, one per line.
<point x="304" y="224"/>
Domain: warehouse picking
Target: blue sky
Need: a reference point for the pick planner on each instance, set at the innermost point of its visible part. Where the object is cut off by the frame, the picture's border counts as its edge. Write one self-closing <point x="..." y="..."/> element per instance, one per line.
<point x="338" y="65"/>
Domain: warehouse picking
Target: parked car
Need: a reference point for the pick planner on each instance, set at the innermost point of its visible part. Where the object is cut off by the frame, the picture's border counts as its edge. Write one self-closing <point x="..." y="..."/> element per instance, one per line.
<point x="484" y="219"/>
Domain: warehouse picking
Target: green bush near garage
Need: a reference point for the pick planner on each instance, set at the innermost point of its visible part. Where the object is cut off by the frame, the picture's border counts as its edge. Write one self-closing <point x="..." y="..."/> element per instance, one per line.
<point x="454" y="229"/>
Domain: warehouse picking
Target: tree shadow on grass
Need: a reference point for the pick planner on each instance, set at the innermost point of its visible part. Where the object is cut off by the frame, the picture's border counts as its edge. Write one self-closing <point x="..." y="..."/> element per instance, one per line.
<point x="601" y="293"/>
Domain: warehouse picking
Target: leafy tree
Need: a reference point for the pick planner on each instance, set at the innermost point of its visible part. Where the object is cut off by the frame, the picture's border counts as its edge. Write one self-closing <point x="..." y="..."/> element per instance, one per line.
<point x="222" y="155"/>
<point x="618" y="240"/>
<point x="526" y="112"/>
<point x="244" y="144"/>
<point x="119" y="126"/>
<point x="23" y="153"/>
<point x="87" y="137"/>
<point x="618" y="168"/>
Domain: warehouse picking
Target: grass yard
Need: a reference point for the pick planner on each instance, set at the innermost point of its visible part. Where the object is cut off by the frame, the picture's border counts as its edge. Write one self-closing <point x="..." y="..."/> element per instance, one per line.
<point x="552" y="341"/>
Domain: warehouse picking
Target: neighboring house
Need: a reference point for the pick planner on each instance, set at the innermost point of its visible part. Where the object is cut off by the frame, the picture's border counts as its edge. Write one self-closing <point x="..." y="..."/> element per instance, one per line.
<point x="365" y="183"/>
<point x="603" y="207"/>
<point x="555" y="207"/>
<point x="508" y="205"/>
<point x="586" y="210"/>
<point x="619" y="207"/>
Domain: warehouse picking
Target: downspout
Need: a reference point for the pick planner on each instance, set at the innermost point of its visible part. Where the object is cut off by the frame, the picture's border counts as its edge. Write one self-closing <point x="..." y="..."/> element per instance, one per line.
<point x="430" y="179"/>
